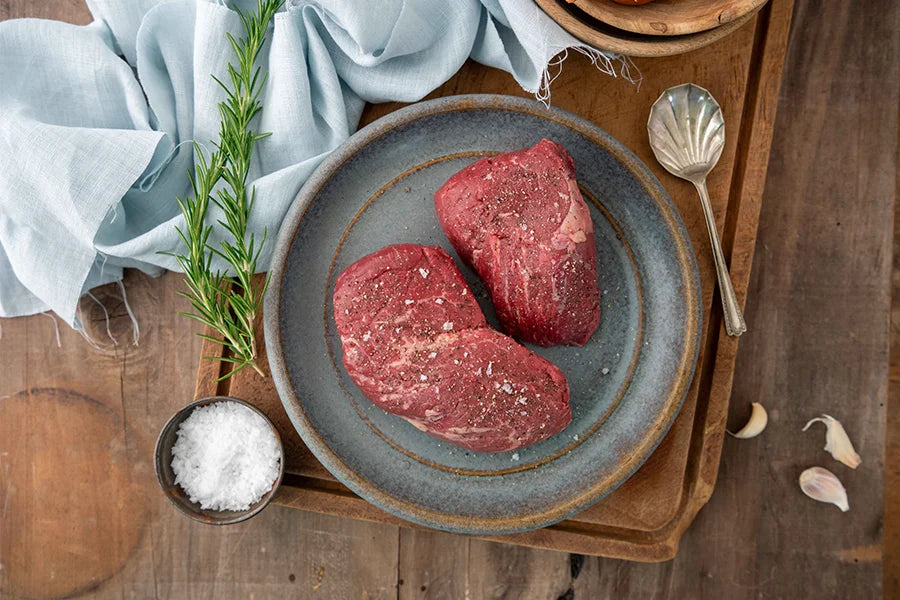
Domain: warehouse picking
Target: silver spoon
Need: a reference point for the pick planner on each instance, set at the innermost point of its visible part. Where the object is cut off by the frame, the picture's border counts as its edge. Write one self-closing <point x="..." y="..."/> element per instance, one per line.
<point x="687" y="134"/>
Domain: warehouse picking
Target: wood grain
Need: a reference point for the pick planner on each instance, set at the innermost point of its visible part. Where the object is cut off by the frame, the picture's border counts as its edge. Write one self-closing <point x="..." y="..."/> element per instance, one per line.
<point x="668" y="17"/>
<point x="891" y="567"/>
<point x="97" y="479"/>
<point x="433" y="565"/>
<point x="602" y="36"/>
<point x="812" y="319"/>
<point x="819" y="298"/>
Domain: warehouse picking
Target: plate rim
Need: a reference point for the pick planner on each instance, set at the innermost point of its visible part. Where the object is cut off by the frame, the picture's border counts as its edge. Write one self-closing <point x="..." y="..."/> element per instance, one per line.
<point x="290" y="399"/>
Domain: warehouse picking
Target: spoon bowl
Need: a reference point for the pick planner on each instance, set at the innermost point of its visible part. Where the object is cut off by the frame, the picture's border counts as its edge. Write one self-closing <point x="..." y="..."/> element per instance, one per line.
<point x="687" y="131"/>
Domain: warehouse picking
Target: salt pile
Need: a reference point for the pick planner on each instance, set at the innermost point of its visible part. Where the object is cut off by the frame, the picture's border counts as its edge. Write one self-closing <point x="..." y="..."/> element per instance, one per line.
<point x="226" y="456"/>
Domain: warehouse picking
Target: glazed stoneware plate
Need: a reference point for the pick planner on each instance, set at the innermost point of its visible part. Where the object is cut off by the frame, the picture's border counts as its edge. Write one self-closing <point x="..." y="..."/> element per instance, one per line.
<point x="627" y="383"/>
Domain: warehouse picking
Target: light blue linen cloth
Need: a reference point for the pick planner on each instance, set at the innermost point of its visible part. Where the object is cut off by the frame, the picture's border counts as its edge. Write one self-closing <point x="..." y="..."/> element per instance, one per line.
<point x="96" y="121"/>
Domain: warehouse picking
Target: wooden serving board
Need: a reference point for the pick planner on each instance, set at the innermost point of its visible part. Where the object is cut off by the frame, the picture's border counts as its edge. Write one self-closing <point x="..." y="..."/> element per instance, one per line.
<point x="645" y="517"/>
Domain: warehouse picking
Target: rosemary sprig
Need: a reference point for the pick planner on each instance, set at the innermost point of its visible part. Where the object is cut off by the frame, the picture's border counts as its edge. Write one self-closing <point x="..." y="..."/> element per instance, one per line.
<point x="229" y="302"/>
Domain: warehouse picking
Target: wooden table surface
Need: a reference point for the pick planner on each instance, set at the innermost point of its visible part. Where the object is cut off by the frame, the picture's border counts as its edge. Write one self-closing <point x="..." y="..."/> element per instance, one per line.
<point x="80" y="513"/>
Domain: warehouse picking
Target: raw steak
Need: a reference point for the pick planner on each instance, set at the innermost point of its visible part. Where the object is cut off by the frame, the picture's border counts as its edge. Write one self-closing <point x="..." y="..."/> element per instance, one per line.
<point x="417" y="345"/>
<point x="519" y="220"/>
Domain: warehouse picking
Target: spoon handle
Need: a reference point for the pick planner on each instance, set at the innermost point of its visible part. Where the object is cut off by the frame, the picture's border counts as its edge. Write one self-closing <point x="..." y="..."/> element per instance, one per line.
<point x="734" y="320"/>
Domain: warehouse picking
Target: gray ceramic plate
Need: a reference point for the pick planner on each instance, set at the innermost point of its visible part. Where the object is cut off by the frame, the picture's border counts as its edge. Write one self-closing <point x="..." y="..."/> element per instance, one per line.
<point x="627" y="383"/>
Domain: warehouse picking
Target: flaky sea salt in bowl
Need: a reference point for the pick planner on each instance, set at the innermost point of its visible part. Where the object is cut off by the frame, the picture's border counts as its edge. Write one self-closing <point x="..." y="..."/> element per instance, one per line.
<point x="219" y="460"/>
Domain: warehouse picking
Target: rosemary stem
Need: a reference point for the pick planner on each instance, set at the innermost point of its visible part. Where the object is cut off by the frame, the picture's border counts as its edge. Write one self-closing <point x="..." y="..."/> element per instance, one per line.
<point x="228" y="302"/>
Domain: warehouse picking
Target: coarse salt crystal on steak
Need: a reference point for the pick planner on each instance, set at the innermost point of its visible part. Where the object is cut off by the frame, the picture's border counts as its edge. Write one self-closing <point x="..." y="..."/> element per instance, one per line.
<point x="415" y="366"/>
<point x="519" y="220"/>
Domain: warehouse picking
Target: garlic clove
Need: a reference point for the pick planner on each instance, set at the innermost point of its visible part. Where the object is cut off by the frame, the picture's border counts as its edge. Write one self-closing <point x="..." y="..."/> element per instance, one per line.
<point x="759" y="418"/>
<point x="837" y="442"/>
<point x="823" y="485"/>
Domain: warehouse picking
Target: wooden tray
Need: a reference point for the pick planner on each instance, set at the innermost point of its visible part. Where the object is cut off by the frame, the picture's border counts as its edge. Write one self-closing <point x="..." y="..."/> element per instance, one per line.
<point x="645" y="518"/>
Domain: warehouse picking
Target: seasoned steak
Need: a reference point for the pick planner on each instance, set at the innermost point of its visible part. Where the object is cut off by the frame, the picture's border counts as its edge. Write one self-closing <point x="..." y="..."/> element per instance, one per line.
<point x="417" y="345"/>
<point x="519" y="220"/>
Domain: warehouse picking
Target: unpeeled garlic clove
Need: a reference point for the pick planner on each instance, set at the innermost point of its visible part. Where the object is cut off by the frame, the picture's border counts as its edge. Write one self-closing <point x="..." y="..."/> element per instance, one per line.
<point x="837" y="442"/>
<point x="823" y="485"/>
<point x="755" y="425"/>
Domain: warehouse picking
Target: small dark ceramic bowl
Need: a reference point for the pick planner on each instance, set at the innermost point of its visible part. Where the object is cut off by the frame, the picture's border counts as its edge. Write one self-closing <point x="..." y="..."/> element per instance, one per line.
<point x="173" y="491"/>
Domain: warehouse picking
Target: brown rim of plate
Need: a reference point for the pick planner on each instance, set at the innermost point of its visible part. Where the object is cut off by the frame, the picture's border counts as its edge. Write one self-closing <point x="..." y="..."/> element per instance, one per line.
<point x="655" y="432"/>
<point x="606" y="37"/>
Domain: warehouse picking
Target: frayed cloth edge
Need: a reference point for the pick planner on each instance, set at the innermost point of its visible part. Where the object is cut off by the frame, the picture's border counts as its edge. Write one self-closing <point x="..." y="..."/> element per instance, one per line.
<point x="604" y="62"/>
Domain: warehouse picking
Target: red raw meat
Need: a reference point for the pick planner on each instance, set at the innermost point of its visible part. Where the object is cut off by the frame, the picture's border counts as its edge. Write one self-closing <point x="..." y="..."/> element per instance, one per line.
<point x="519" y="220"/>
<point x="417" y="345"/>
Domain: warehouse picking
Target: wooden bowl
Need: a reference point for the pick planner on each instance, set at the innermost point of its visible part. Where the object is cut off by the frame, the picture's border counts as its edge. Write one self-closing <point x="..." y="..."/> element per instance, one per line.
<point x="669" y="17"/>
<point x="173" y="491"/>
<point x="602" y="36"/>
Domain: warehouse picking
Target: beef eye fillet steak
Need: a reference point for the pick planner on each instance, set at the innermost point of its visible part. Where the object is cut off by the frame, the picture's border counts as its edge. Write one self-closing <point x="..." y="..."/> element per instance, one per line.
<point x="519" y="220"/>
<point x="417" y="345"/>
